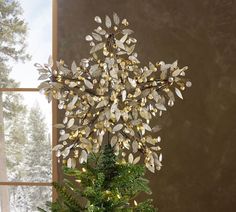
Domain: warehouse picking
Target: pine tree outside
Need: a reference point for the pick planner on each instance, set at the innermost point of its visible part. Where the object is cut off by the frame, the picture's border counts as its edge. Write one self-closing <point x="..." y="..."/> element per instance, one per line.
<point x="25" y="120"/>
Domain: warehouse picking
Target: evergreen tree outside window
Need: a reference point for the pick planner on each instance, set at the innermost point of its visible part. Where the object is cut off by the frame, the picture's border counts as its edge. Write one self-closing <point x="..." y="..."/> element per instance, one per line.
<point x="25" y="120"/>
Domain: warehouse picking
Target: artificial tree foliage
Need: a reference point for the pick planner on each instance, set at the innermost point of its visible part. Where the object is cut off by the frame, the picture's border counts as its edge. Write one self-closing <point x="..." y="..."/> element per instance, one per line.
<point x="108" y="101"/>
<point x="106" y="185"/>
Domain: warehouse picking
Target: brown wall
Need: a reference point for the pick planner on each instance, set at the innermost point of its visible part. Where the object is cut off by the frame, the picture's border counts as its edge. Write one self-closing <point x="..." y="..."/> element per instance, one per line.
<point x="199" y="134"/>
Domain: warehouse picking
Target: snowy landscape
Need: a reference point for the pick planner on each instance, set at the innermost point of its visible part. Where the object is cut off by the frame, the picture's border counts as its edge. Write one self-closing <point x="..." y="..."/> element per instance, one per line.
<point x="25" y="117"/>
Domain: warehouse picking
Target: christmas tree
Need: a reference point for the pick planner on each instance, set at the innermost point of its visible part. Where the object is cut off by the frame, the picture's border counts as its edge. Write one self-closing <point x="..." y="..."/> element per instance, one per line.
<point x="109" y="102"/>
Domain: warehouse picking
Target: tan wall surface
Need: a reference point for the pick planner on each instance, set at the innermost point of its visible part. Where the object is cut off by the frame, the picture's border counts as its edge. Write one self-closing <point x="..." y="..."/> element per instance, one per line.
<point x="199" y="133"/>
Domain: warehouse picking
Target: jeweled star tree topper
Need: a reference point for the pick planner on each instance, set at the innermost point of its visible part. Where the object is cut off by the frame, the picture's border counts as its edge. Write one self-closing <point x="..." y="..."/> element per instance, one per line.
<point x="109" y="97"/>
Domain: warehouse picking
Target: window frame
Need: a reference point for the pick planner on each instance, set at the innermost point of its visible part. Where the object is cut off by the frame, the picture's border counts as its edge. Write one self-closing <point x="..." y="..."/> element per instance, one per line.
<point x="53" y="115"/>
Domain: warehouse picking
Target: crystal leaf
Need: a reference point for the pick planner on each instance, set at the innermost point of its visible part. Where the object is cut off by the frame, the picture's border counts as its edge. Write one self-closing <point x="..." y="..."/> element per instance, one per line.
<point x="132" y="82"/>
<point x="70" y="106"/>
<point x="160" y="106"/>
<point x="155" y="148"/>
<point x="50" y="61"/>
<point x="70" y="123"/>
<point x="73" y="67"/>
<point x="164" y="66"/>
<point x="147" y="127"/>
<point x="73" y="84"/>
<point x="124" y="22"/>
<point x="123" y="39"/>
<point x="158" y="164"/>
<point x="156" y="128"/>
<point x="88" y="38"/>
<point x="84" y="140"/>
<point x="44" y="71"/>
<point x="93" y="69"/>
<point x="122" y="52"/>
<point x="178" y="93"/>
<point x="57" y="147"/>
<point x="130" y="158"/>
<point x="113" y="141"/>
<point x="151" y="168"/>
<point x="130" y="49"/>
<point x="98" y="19"/>
<point x="120" y="44"/>
<point x="126" y="144"/>
<point x="127" y="31"/>
<point x="43" y="85"/>
<point x="83" y="157"/>
<point x="100" y="31"/>
<point x="102" y="104"/>
<point x="96" y="48"/>
<point x="163" y="75"/>
<point x="114" y="107"/>
<point x="150" y="140"/>
<point x="123" y="93"/>
<point x="118" y="127"/>
<point x="108" y="21"/>
<point x="71" y="163"/>
<point x="43" y="77"/>
<point x="65" y="152"/>
<point x="174" y="65"/>
<point x="113" y="73"/>
<point x="64" y="137"/>
<point x="133" y="59"/>
<point x="116" y="19"/>
<point x="145" y="114"/>
<point x="152" y="67"/>
<point x="97" y="37"/>
<point x="135" y="146"/>
<point x="118" y="114"/>
<point x="177" y="72"/>
<point x="88" y="84"/>
<point x="136" y="160"/>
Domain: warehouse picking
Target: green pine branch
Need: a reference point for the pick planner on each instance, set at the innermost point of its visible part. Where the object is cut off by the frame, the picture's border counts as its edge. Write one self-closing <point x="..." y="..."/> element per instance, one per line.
<point x="105" y="184"/>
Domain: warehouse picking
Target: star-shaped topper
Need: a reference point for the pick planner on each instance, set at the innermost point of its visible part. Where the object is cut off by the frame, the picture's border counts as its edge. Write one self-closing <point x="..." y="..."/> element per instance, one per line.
<point x="108" y="97"/>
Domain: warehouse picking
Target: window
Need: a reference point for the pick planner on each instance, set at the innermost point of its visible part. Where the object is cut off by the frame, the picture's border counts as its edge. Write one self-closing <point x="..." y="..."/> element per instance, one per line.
<point x="27" y="166"/>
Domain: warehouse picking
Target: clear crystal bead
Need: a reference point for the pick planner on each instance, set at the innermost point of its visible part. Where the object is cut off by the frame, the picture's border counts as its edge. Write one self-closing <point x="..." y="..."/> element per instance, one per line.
<point x="188" y="84"/>
<point x="171" y="79"/>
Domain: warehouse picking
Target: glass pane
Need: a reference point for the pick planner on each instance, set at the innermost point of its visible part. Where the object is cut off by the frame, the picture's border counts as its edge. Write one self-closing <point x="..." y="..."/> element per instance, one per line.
<point x="38" y="39"/>
<point x="24" y="198"/>
<point x="25" y="138"/>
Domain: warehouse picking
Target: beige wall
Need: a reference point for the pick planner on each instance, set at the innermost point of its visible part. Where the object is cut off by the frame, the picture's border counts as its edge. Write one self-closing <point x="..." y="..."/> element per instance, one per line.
<point x="199" y="133"/>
